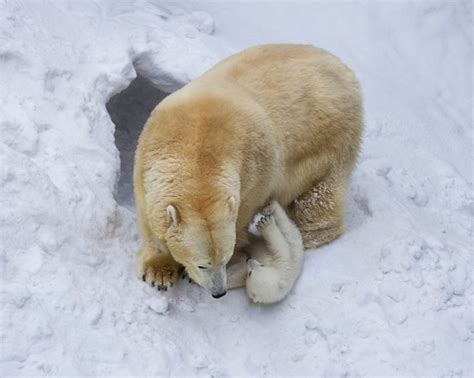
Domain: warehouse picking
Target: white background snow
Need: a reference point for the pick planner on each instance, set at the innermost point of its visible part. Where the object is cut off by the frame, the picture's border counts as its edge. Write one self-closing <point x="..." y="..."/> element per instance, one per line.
<point x="392" y="296"/>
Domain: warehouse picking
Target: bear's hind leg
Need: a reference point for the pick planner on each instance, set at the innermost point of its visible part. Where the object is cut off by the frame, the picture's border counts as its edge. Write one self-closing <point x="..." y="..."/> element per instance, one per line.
<point x="318" y="213"/>
<point x="287" y="227"/>
<point x="274" y="239"/>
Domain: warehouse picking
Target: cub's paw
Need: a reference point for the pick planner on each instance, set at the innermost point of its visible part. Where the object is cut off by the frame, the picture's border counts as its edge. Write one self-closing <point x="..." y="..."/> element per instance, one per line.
<point x="265" y="223"/>
<point x="159" y="270"/>
<point x="270" y="208"/>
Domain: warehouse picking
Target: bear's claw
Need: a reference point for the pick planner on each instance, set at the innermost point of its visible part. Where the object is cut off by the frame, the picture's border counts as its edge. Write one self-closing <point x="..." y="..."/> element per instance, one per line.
<point x="160" y="271"/>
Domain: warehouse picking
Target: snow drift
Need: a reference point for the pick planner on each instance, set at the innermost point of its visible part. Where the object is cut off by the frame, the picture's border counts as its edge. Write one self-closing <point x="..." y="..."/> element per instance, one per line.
<point x="392" y="296"/>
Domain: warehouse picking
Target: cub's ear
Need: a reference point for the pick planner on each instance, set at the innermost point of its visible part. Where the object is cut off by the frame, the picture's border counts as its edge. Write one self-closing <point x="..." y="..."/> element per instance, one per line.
<point x="173" y="216"/>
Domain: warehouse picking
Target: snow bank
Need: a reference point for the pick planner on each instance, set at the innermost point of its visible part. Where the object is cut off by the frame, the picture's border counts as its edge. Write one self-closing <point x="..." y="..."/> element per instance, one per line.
<point x="66" y="244"/>
<point x="392" y="296"/>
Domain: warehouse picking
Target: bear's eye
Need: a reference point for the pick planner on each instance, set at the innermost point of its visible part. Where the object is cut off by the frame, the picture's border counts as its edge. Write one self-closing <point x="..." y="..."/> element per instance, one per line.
<point x="202" y="267"/>
<point x="250" y="273"/>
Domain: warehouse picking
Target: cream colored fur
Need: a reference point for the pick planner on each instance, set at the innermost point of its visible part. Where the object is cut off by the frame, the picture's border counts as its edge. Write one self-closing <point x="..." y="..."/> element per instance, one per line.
<point x="275" y="261"/>
<point x="275" y="121"/>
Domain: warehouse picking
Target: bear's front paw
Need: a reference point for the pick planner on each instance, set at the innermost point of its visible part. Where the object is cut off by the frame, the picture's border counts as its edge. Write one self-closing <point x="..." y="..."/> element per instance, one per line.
<point x="265" y="223"/>
<point x="269" y="209"/>
<point x="160" y="270"/>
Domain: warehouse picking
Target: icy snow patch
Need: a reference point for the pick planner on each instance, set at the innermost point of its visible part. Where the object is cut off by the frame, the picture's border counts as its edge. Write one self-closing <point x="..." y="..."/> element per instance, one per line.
<point x="158" y="304"/>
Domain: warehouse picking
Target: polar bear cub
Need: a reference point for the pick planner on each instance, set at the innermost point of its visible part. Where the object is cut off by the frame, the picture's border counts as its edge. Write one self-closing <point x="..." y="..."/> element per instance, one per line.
<point x="275" y="260"/>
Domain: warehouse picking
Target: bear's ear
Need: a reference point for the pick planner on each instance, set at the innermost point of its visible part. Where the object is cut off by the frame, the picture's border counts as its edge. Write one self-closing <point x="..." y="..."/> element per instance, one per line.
<point x="173" y="216"/>
<point x="232" y="205"/>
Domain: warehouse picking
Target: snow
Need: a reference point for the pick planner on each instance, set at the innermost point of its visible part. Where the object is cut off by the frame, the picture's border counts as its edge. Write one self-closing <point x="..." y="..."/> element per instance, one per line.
<point x="158" y="304"/>
<point x="392" y="296"/>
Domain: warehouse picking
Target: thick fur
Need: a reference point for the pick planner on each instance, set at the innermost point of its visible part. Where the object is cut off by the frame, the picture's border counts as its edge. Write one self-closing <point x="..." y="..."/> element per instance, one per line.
<point x="275" y="260"/>
<point x="274" y="121"/>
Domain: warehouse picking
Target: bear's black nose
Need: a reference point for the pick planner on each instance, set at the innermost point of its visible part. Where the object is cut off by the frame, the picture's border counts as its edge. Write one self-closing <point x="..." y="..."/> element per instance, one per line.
<point x="219" y="295"/>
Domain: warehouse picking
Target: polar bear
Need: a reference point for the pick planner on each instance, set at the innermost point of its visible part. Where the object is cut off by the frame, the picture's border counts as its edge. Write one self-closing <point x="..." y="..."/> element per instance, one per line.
<point x="275" y="261"/>
<point x="278" y="122"/>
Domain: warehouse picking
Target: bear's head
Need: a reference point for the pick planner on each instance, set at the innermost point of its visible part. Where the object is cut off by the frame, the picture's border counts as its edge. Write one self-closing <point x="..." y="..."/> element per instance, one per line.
<point x="191" y="164"/>
<point x="202" y="239"/>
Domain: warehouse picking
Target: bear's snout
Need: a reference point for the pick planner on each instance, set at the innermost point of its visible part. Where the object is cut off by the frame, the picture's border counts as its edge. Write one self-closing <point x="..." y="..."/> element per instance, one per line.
<point x="218" y="282"/>
<point x="219" y="295"/>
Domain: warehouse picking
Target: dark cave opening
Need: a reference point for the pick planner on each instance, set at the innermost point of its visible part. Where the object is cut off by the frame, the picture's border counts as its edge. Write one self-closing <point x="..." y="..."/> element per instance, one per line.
<point x="129" y="111"/>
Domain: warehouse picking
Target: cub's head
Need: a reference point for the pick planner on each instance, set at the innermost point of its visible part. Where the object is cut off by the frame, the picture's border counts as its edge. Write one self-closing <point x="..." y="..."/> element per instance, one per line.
<point x="201" y="237"/>
<point x="263" y="283"/>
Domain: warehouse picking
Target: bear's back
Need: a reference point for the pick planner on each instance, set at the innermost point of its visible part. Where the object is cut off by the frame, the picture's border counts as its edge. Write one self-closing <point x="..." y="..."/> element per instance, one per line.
<point x="308" y="93"/>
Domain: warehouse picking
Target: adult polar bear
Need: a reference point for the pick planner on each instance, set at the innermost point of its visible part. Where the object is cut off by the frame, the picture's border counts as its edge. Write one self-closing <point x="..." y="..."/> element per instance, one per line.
<point x="278" y="122"/>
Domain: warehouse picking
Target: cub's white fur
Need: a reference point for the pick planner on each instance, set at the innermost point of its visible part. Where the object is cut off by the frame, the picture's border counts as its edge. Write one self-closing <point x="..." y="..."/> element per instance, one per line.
<point x="275" y="260"/>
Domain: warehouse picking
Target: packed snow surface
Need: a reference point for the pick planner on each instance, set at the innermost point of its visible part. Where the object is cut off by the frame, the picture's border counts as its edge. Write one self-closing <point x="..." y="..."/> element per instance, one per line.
<point x="392" y="296"/>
